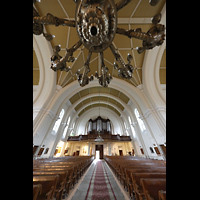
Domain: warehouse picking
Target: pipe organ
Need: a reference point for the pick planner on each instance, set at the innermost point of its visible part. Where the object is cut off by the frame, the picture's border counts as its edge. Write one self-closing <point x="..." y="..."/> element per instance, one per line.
<point x="99" y="125"/>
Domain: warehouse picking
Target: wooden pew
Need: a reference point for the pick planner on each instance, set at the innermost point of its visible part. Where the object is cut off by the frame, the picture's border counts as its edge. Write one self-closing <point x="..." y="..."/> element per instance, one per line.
<point x="162" y="195"/>
<point x="117" y="164"/>
<point x="74" y="166"/>
<point x="48" y="183"/>
<point x="151" y="187"/>
<point x="73" y="173"/>
<point x="61" y="181"/>
<point x="138" y="165"/>
<point x="54" y="163"/>
<point x="124" y="166"/>
<point x="37" y="190"/>
<point x="138" y="190"/>
<point x="140" y="170"/>
<point x="68" y="169"/>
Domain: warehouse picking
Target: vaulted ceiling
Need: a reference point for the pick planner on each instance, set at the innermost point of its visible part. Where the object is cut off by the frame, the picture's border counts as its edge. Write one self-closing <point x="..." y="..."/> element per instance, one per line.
<point x="137" y="14"/>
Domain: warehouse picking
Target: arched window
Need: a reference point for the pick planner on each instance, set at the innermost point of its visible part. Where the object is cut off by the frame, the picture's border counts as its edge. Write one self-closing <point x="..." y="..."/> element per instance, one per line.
<point x="126" y="129"/>
<point x="132" y="127"/>
<point x="57" y="124"/>
<point x="151" y="149"/>
<point x="68" y="121"/>
<point x="140" y="122"/>
<point x="64" y="132"/>
<point x="66" y="127"/>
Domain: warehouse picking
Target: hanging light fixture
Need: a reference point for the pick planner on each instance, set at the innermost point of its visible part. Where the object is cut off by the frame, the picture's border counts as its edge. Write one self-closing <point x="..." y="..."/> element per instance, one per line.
<point x="99" y="125"/>
<point x="96" y="25"/>
<point x="99" y="138"/>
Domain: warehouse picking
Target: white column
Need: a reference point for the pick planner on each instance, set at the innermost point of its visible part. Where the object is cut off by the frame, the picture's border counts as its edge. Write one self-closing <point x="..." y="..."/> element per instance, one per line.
<point x="88" y="148"/>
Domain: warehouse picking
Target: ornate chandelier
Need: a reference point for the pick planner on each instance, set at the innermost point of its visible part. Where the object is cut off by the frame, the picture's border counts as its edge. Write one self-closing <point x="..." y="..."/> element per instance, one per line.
<point x="99" y="138"/>
<point x="96" y="25"/>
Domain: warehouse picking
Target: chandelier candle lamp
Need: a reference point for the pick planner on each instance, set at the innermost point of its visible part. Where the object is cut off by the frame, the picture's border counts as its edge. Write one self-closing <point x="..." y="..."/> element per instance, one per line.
<point x="96" y="25"/>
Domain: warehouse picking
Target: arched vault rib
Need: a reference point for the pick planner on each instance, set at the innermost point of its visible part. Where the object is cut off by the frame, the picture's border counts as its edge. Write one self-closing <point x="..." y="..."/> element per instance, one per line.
<point x="118" y="100"/>
<point x="97" y="102"/>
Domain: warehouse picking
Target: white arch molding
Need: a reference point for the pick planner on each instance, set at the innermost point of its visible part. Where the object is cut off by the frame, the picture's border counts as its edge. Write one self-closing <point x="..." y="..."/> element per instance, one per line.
<point x="97" y="94"/>
<point x="150" y="75"/>
<point x="64" y="94"/>
<point x="47" y="81"/>
<point x="96" y="102"/>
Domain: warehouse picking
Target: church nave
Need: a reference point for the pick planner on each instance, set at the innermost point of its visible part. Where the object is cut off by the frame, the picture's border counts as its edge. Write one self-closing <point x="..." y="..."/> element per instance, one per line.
<point x="99" y="99"/>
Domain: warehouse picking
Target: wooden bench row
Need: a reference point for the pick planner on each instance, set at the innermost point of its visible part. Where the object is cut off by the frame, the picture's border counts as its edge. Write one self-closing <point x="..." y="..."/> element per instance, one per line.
<point x="143" y="178"/>
<point x="54" y="177"/>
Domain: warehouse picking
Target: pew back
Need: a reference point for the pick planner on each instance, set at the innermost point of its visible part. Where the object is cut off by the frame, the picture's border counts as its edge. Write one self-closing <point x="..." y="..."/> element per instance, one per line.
<point x="152" y="186"/>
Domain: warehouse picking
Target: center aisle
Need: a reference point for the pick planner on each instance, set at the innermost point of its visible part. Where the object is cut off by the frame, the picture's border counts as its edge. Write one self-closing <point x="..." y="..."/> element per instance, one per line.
<point x="98" y="184"/>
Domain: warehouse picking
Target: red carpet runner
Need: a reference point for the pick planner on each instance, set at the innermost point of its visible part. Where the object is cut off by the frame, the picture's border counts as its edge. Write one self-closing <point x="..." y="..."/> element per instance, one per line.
<point x="100" y="187"/>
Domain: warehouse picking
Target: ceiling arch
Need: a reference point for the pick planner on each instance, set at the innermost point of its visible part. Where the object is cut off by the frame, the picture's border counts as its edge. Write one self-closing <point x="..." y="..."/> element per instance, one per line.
<point x="47" y="80"/>
<point x="104" y="96"/>
<point x="112" y="98"/>
<point x="89" y="105"/>
<point x="100" y="90"/>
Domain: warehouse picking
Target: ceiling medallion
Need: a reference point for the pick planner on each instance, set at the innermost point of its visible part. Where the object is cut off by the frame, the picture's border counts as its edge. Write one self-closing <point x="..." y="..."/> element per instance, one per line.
<point x="96" y="25"/>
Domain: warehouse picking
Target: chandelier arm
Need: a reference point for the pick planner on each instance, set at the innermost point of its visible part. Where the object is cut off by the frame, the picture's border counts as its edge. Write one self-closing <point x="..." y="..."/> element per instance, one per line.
<point x="59" y="63"/>
<point x="74" y="47"/>
<point x="50" y="19"/>
<point x="83" y="78"/>
<point x="116" y="55"/>
<point x="38" y="28"/>
<point x="126" y="70"/>
<point x="153" y="2"/>
<point x="135" y="33"/>
<point x="122" y="3"/>
<point x="152" y="38"/>
<point x="104" y="69"/>
<point x="88" y="58"/>
<point x="104" y="79"/>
